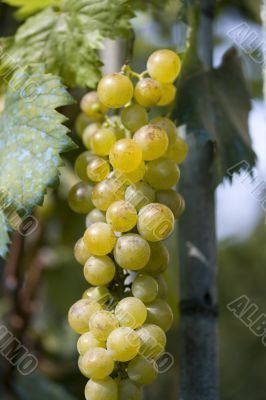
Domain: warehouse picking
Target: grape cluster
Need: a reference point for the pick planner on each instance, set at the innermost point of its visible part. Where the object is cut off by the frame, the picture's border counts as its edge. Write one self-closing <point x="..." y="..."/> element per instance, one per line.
<point x="127" y="175"/>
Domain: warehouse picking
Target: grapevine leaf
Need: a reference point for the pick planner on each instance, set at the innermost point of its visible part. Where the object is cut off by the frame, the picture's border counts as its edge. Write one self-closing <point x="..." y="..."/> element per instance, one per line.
<point x="27" y="7"/>
<point x="31" y="139"/>
<point x="66" y="40"/>
<point x="4" y="239"/>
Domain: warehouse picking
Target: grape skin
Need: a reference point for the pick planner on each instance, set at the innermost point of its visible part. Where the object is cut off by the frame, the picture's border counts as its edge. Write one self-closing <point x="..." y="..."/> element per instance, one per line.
<point x="164" y="65"/>
<point x="168" y="126"/>
<point x="98" y="169"/>
<point x="97" y="363"/>
<point x="153" y="340"/>
<point x="142" y="371"/>
<point x="132" y="252"/>
<point x="145" y="288"/>
<point x="129" y="390"/>
<point x="99" y="271"/>
<point x="131" y="177"/>
<point x="152" y="140"/>
<point x="100" y="294"/>
<point x="159" y="259"/>
<point x="80" y="313"/>
<point x="95" y="215"/>
<point x="115" y="90"/>
<point x="99" y="239"/>
<point x="173" y="200"/>
<point x="178" y="151"/>
<point x="80" y="252"/>
<point x="79" y="198"/>
<point x="104" y="389"/>
<point x="81" y="165"/>
<point x="140" y="194"/>
<point x="148" y="92"/>
<point x="162" y="173"/>
<point x="89" y="132"/>
<point x="87" y="341"/>
<point x="168" y="94"/>
<point x="107" y="192"/>
<point x="125" y="155"/>
<point x="131" y="312"/>
<point x="102" y="323"/>
<point x="160" y="313"/>
<point x="134" y="117"/>
<point x="91" y="106"/>
<point x="122" y="216"/>
<point x="123" y="343"/>
<point x="102" y="141"/>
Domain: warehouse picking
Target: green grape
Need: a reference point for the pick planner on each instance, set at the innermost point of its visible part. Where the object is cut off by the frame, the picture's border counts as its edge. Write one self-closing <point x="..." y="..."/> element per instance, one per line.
<point x="173" y="200"/>
<point x="97" y="363"/>
<point x="87" y="342"/>
<point x="80" y="313"/>
<point x="104" y="389"/>
<point x="129" y="390"/>
<point x="102" y="141"/>
<point x="155" y="222"/>
<point x="99" y="270"/>
<point x="122" y="216"/>
<point x="162" y="287"/>
<point x="162" y="173"/>
<point x="123" y="343"/>
<point x="145" y="288"/>
<point x="142" y="371"/>
<point x="100" y="294"/>
<point x="119" y="129"/>
<point x="164" y="65"/>
<point x="132" y="252"/>
<point x="160" y="313"/>
<point x="134" y="117"/>
<point x="81" y="254"/>
<point x="115" y="90"/>
<point x="153" y="340"/>
<point x="92" y="107"/>
<point x="178" y="151"/>
<point x="148" y="92"/>
<point x="79" y="198"/>
<point x="99" y="239"/>
<point x="107" y="192"/>
<point x="81" y="123"/>
<point x="168" y="126"/>
<point x="140" y="194"/>
<point x="131" y="312"/>
<point x="152" y="140"/>
<point x="81" y="165"/>
<point x="133" y="176"/>
<point x="125" y="155"/>
<point x="95" y="215"/>
<point x="159" y="258"/>
<point x="98" y="169"/>
<point x="169" y="94"/>
<point x="89" y="132"/>
<point x="102" y="323"/>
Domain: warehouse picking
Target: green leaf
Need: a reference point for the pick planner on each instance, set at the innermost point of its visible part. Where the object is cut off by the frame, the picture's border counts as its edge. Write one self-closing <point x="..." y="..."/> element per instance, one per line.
<point x="215" y="106"/>
<point x="31" y="139"/>
<point x="67" y="40"/>
<point x="27" y="7"/>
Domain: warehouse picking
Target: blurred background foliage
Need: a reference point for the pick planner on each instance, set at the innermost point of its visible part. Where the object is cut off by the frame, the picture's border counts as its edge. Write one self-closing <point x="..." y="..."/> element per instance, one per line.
<point x="53" y="280"/>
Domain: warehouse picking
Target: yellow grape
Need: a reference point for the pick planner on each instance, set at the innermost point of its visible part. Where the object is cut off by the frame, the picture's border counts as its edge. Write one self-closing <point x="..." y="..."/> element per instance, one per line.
<point x="81" y="123"/>
<point x="129" y="390"/>
<point x="140" y="194"/>
<point x="91" y="106"/>
<point x="125" y="155"/>
<point x="132" y="252"/>
<point x="160" y="313"/>
<point x="153" y="340"/>
<point x="169" y="94"/>
<point x="148" y="92"/>
<point x="99" y="239"/>
<point x="159" y="259"/>
<point x="145" y="288"/>
<point x="81" y="253"/>
<point x="122" y="216"/>
<point x="102" y="323"/>
<point x="168" y="126"/>
<point x="133" y="176"/>
<point x="102" y="141"/>
<point x="79" y="198"/>
<point x="131" y="312"/>
<point x="134" y="117"/>
<point x="96" y="363"/>
<point x="155" y="222"/>
<point x="142" y="371"/>
<point x="80" y="313"/>
<point x="164" y="65"/>
<point x="115" y="90"/>
<point x="87" y="341"/>
<point x="162" y="173"/>
<point x="178" y="151"/>
<point x="81" y="165"/>
<point x="173" y="200"/>
<point x="99" y="270"/>
<point x="89" y="132"/>
<point x="152" y="140"/>
<point x="95" y="215"/>
<point x="100" y="294"/>
<point x="107" y="192"/>
<point x="98" y="169"/>
<point x="123" y="343"/>
<point x="104" y="389"/>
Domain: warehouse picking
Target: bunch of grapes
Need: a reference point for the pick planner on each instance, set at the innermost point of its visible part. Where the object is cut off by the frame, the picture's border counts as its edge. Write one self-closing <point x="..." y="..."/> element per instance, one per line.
<point x="127" y="175"/>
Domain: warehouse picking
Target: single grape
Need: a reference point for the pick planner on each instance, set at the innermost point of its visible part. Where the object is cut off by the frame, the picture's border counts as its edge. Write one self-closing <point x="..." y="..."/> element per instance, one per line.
<point x="100" y="294"/>
<point x="81" y="123"/>
<point x="104" y="389"/>
<point x="122" y="216"/>
<point x="160" y="313"/>
<point x="115" y="90"/>
<point x="129" y="390"/>
<point x="80" y="313"/>
<point x="123" y="343"/>
<point x="102" y="323"/>
<point x="131" y="312"/>
<point x="97" y="363"/>
<point x="92" y="107"/>
<point x="148" y="92"/>
<point x="132" y="252"/>
<point x="133" y="176"/>
<point x="87" y="342"/>
<point x="153" y="340"/>
<point x="152" y="140"/>
<point x="102" y="141"/>
<point x="98" y="169"/>
<point x="140" y="194"/>
<point x="155" y="222"/>
<point x="159" y="258"/>
<point x="95" y="215"/>
<point x="162" y="287"/>
<point x="81" y="253"/>
<point x="142" y="371"/>
<point x="173" y="200"/>
<point x="107" y="192"/>
<point x="79" y="198"/>
<point x="145" y="288"/>
<point x="168" y="94"/>
<point x="164" y="65"/>
<point x="134" y="117"/>
<point x="99" y="239"/>
<point x="116" y="124"/>
<point x="99" y="270"/>
<point x="89" y="132"/>
<point x="178" y="151"/>
<point x="81" y="165"/>
<point x="168" y="126"/>
<point x="125" y="155"/>
<point x="162" y="173"/>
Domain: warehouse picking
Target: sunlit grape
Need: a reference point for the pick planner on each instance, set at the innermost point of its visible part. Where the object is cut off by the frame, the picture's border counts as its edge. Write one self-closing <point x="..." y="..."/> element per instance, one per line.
<point x="87" y="341"/>
<point x="99" y="239"/>
<point x="132" y="252"/>
<point x="173" y="200"/>
<point x="99" y="270"/>
<point x="152" y="140"/>
<point x="91" y="106"/>
<point x="122" y="216"/>
<point x="97" y="363"/>
<point x="107" y="192"/>
<point x="168" y="94"/>
<point x="162" y="173"/>
<point x="88" y="132"/>
<point x="131" y="312"/>
<point x="102" y="323"/>
<point x="98" y="169"/>
<point x="102" y="141"/>
<point x="133" y="176"/>
<point x="148" y="92"/>
<point x="104" y="389"/>
<point x="134" y="117"/>
<point x="168" y="126"/>
<point x="155" y="222"/>
<point x="145" y="287"/>
<point x="80" y="313"/>
<point x="140" y="194"/>
<point x="95" y="215"/>
<point x="79" y="198"/>
<point x="123" y="343"/>
<point x="81" y="253"/>
<point x="125" y="155"/>
<point x="153" y="340"/>
<point x="164" y="65"/>
<point x="100" y="294"/>
<point x="115" y="90"/>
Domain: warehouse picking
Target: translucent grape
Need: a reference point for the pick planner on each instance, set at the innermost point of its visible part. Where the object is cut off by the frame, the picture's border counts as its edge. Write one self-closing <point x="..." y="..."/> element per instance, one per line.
<point x="152" y="140"/>
<point x="132" y="252"/>
<point x="159" y="258"/>
<point x="168" y="94"/>
<point x="97" y="363"/>
<point x="168" y="126"/>
<point x="140" y="194"/>
<point x="99" y="239"/>
<point x="104" y="389"/>
<point x="107" y="192"/>
<point x="155" y="222"/>
<point x="129" y="390"/>
<point x="81" y="253"/>
<point x="122" y="216"/>
<point x="125" y="155"/>
<point x="89" y="132"/>
<point x="79" y="198"/>
<point x="134" y="117"/>
<point x="142" y="371"/>
<point x="178" y="151"/>
<point x="148" y="92"/>
<point x="160" y="313"/>
<point x="98" y="169"/>
<point x="100" y="294"/>
<point x="102" y="141"/>
<point x="145" y="288"/>
<point x="173" y="200"/>
<point x="162" y="173"/>
<point x="153" y="340"/>
<point x="80" y="313"/>
<point x="119" y="129"/>
<point x="133" y="176"/>
<point x="99" y="270"/>
<point x="123" y="343"/>
<point x="102" y="323"/>
<point x="91" y="106"/>
<point x="82" y="121"/>
<point x="81" y="165"/>
<point x="87" y="342"/>
<point x="95" y="215"/>
<point x="131" y="312"/>
<point x="164" y="65"/>
<point x="162" y="287"/>
<point x="115" y="90"/>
